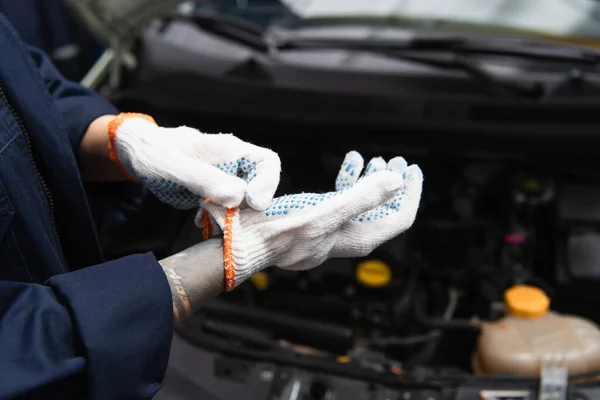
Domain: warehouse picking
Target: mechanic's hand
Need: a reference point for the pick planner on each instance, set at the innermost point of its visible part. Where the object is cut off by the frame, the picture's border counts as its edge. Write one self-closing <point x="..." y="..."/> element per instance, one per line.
<point x="303" y="230"/>
<point x="181" y="165"/>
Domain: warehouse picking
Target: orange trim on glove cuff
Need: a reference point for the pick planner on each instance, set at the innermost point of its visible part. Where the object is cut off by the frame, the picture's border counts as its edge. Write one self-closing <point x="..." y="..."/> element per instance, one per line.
<point x="111" y="129"/>
<point x="206" y="225"/>
<point x="227" y="244"/>
<point x="228" y="250"/>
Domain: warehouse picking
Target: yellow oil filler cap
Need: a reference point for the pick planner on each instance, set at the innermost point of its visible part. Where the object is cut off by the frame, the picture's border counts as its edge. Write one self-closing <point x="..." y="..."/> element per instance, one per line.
<point x="260" y="280"/>
<point x="373" y="273"/>
<point x="526" y="301"/>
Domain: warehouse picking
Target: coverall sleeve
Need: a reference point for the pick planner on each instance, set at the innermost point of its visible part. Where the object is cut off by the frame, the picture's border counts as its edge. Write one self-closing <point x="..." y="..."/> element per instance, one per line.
<point x="78" y="105"/>
<point x="102" y="332"/>
<point x="111" y="202"/>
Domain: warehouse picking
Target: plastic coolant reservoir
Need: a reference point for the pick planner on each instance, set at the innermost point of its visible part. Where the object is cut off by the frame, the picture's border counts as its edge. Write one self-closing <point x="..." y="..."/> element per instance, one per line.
<point x="531" y="334"/>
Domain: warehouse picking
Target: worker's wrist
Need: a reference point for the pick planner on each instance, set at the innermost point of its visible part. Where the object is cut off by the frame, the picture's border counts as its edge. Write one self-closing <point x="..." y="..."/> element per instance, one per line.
<point x="195" y="275"/>
<point x="93" y="154"/>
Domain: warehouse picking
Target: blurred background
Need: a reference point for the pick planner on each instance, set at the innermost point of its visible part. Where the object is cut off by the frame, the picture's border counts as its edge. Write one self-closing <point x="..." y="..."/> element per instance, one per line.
<point x="497" y="101"/>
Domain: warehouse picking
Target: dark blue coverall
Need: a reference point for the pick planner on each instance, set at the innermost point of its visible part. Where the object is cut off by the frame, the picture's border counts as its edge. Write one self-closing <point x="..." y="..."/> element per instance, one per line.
<point x="71" y="324"/>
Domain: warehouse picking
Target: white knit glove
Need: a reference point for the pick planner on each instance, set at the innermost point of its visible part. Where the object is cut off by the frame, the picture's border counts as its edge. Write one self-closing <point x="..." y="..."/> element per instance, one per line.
<point x="301" y="231"/>
<point x="182" y="166"/>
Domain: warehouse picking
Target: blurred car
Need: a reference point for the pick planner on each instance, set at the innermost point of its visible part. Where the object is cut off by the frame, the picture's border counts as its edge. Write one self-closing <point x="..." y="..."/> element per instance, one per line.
<point x="497" y="102"/>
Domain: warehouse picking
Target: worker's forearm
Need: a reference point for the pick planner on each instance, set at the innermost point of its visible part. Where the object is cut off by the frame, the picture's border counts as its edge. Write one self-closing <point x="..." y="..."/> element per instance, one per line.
<point x="94" y="156"/>
<point x="195" y="275"/>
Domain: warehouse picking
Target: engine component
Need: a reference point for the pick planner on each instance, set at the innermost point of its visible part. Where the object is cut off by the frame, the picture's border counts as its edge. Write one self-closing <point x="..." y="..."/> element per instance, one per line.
<point x="260" y="280"/>
<point x="373" y="273"/>
<point x="579" y="214"/>
<point x="299" y="330"/>
<point x="531" y="334"/>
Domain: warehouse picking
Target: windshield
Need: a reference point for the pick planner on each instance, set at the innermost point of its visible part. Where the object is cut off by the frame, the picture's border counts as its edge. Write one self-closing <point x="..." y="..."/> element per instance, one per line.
<point x="559" y="19"/>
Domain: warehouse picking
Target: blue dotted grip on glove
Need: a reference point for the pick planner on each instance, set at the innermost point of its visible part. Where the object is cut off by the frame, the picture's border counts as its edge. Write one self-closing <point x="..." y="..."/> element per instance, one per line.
<point x="348" y="176"/>
<point x="291" y="202"/>
<point x="242" y="168"/>
<point x="179" y="197"/>
<point x="171" y="193"/>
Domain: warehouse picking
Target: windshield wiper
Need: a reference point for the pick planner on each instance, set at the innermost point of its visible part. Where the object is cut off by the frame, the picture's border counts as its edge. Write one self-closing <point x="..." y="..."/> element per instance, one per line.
<point x="455" y="53"/>
<point x="235" y="29"/>
<point x="449" y="52"/>
<point x="464" y="46"/>
<point x="472" y="68"/>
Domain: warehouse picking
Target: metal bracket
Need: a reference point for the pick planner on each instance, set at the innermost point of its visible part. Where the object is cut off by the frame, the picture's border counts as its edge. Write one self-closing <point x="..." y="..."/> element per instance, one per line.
<point x="554" y="380"/>
<point x="505" y="395"/>
<point x="109" y="64"/>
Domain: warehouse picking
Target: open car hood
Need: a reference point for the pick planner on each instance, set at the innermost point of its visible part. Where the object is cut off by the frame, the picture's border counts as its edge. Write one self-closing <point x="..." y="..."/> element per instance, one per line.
<point x="119" y="20"/>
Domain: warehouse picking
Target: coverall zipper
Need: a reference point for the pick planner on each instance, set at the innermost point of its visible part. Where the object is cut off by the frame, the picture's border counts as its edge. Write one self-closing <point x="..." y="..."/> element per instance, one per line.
<point x="41" y="179"/>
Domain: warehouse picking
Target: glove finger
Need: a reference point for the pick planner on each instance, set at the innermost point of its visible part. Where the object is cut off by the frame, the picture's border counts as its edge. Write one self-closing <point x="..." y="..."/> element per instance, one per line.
<point x="263" y="181"/>
<point x="361" y="237"/>
<point x="368" y="193"/>
<point x="376" y="164"/>
<point x="413" y="183"/>
<point x="401" y="212"/>
<point x="349" y="171"/>
<point x="206" y="181"/>
<point x="397" y="164"/>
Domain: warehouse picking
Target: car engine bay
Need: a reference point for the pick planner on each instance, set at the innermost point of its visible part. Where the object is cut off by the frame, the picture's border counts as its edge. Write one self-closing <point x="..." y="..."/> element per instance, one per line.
<point x="412" y="312"/>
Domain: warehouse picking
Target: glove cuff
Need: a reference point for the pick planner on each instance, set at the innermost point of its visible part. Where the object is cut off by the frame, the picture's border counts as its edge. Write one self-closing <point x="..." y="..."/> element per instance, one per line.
<point x="112" y="129"/>
<point x="247" y="250"/>
<point x="244" y="250"/>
